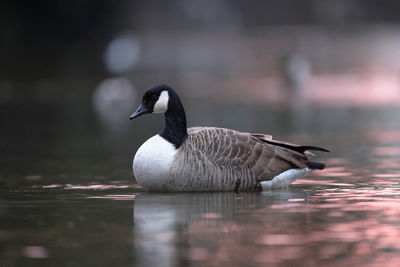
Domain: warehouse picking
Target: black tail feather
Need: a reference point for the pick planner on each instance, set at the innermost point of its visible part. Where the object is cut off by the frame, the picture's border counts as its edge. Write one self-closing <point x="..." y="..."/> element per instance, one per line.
<point x="315" y="165"/>
<point x="297" y="148"/>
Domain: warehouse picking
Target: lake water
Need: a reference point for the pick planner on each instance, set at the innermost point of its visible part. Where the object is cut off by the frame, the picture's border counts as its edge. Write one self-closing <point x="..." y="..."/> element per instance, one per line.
<point x="67" y="196"/>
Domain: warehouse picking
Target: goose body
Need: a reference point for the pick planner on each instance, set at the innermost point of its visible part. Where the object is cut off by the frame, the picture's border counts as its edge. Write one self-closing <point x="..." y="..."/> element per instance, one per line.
<point x="210" y="158"/>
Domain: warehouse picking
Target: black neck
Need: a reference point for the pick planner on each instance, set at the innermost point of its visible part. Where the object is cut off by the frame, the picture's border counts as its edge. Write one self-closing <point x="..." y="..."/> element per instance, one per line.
<point x="175" y="130"/>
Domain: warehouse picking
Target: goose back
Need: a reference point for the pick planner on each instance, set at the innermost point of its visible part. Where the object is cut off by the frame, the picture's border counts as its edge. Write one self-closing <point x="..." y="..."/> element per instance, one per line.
<point x="218" y="159"/>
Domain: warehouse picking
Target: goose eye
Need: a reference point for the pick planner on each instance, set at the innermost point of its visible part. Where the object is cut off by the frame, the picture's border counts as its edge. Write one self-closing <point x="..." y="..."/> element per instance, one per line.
<point x="153" y="97"/>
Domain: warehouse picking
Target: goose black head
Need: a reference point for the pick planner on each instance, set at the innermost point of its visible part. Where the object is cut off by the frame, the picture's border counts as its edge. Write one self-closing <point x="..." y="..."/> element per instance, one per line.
<point x="155" y="100"/>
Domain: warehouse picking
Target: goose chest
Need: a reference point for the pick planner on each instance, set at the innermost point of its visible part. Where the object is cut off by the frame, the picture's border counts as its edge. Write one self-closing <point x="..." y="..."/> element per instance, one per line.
<point x="153" y="161"/>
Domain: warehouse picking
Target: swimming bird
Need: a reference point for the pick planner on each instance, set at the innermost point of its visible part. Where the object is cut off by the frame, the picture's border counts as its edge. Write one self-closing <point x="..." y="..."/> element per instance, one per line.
<point x="211" y="158"/>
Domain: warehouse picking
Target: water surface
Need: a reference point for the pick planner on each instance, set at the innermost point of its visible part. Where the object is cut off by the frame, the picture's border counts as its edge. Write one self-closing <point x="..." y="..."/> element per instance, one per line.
<point x="68" y="198"/>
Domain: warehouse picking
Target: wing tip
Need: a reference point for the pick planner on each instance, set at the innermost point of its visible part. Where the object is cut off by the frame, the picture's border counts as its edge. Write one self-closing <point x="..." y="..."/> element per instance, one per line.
<point x="315" y="148"/>
<point x="294" y="147"/>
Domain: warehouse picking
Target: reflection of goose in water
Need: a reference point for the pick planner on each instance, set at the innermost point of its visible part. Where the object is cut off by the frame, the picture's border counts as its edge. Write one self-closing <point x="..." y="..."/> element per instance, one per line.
<point x="210" y="158"/>
<point x="169" y="228"/>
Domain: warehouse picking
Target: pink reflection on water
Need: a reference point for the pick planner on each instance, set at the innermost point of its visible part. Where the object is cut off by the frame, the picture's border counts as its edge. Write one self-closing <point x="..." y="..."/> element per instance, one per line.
<point x="334" y="172"/>
<point x="281" y="239"/>
<point x="213" y="227"/>
<point x="336" y="214"/>
<point x="333" y="225"/>
<point x="331" y="251"/>
<point x="347" y="200"/>
<point x="341" y="184"/>
<point x="334" y="169"/>
<point x="166" y="237"/>
<point x="88" y="187"/>
<point x="363" y="248"/>
<point x="94" y="187"/>
<point x="35" y="252"/>
<point x="341" y="215"/>
<point x="383" y="136"/>
<point x="310" y="181"/>
<point x="388" y="163"/>
<point x="296" y="200"/>
<point x="212" y="215"/>
<point x="52" y="186"/>
<point x="386" y="151"/>
<point x="279" y="254"/>
<point x="337" y="174"/>
<point x="114" y="197"/>
<point x="386" y="175"/>
<point x="196" y="254"/>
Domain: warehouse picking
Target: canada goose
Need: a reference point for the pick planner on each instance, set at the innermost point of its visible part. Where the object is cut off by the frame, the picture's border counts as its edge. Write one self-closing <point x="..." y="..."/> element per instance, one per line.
<point x="210" y="158"/>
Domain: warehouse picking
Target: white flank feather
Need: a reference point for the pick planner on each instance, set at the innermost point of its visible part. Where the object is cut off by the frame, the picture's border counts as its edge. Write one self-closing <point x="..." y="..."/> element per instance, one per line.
<point x="284" y="179"/>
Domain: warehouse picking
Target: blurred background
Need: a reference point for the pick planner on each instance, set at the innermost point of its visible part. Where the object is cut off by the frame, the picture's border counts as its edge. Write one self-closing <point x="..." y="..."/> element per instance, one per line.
<point x="71" y="73"/>
<point x="323" y="73"/>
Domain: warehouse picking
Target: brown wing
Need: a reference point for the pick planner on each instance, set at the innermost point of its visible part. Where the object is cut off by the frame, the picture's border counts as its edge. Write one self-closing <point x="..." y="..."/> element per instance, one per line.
<point x="226" y="147"/>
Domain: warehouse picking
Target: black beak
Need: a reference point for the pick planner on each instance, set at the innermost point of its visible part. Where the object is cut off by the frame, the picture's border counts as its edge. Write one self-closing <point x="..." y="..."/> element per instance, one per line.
<point x="139" y="111"/>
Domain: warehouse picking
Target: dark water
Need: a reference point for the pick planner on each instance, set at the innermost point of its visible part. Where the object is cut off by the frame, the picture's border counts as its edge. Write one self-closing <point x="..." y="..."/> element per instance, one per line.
<point x="67" y="197"/>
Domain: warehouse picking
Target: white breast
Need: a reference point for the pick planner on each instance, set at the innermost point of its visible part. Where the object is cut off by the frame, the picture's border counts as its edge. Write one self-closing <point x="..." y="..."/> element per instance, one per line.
<point x="152" y="162"/>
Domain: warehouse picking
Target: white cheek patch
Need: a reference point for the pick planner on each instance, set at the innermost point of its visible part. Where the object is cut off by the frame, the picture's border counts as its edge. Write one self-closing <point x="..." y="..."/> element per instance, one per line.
<point x="161" y="106"/>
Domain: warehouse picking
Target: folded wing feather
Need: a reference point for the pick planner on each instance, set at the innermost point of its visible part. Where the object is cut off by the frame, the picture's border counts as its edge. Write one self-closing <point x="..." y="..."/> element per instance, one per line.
<point x="265" y="157"/>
